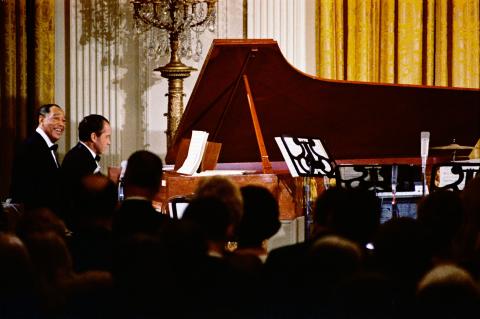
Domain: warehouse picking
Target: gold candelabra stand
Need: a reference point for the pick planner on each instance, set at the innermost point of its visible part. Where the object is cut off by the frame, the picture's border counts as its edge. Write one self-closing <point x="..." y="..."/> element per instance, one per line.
<point x="175" y="17"/>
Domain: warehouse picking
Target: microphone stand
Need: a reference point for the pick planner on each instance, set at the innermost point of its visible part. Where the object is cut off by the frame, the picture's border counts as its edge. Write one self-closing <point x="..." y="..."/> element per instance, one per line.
<point x="424" y="177"/>
<point x="424" y="141"/>
<point x="394" y="191"/>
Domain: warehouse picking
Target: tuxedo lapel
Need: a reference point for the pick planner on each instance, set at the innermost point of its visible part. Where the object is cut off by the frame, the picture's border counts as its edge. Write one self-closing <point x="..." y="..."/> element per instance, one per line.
<point x="92" y="165"/>
<point x="44" y="153"/>
<point x="78" y="162"/>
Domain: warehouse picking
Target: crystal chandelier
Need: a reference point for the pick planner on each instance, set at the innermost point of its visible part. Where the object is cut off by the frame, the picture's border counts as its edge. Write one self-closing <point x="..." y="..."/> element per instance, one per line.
<point x="190" y="19"/>
<point x="104" y="22"/>
<point x="100" y="19"/>
<point x="181" y="21"/>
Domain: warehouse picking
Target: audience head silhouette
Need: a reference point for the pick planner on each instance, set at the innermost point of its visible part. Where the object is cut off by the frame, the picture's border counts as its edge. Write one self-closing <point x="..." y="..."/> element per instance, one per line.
<point x="441" y="214"/>
<point x="448" y="291"/>
<point x="211" y="215"/>
<point x="96" y="197"/>
<point x="260" y="219"/>
<point x="15" y="268"/>
<point x="40" y="220"/>
<point x="143" y="175"/>
<point x="226" y="191"/>
<point x="468" y="246"/>
<point x="351" y="213"/>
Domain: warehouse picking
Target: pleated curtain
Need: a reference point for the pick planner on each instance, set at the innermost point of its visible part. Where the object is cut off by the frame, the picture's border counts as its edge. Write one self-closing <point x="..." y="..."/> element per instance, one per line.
<point x="27" y="52"/>
<point x="430" y="42"/>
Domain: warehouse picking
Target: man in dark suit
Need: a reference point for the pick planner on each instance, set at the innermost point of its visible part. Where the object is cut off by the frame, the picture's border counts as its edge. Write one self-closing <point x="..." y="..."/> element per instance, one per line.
<point x="36" y="170"/>
<point x="142" y="182"/>
<point x="84" y="158"/>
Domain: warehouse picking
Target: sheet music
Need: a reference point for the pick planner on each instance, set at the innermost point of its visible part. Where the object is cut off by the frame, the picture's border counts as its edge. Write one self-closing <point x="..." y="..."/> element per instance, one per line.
<point x="446" y="177"/>
<point x="196" y="149"/>
<point x="285" y="155"/>
<point x="296" y="153"/>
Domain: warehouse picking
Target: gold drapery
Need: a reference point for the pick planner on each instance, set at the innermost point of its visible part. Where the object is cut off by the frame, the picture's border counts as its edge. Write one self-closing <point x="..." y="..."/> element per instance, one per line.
<point x="27" y="47"/>
<point x="431" y="42"/>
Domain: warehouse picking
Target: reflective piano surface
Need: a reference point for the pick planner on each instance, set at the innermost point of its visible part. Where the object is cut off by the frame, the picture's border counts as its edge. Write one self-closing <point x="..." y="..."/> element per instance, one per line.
<point x="358" y="122"/>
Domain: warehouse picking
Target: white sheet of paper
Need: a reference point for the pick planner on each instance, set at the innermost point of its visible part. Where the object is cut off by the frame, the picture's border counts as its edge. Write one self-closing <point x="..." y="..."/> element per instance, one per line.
<point x="198" y="142"/>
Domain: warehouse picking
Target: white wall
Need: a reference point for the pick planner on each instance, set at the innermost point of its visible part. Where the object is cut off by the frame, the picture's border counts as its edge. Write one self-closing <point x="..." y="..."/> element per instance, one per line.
<point x="291" y="23"/>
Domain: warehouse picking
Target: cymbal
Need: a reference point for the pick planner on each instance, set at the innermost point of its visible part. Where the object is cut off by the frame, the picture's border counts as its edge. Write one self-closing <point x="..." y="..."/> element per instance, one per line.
<point x="452" y="147"/>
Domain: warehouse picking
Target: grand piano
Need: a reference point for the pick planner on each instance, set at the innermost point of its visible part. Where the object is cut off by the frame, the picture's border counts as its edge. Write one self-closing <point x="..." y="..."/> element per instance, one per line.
<point x="358" y="122"/>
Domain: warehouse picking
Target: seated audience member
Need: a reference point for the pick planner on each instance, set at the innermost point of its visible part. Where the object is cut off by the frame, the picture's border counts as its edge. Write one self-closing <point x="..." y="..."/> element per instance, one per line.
<point x="56" y="283"/>
<point x="36" y="176"/>
<point x="217" y="209"/>
<point x="142" y="181"/>
<point x="83" y="159"/>
<point x="146" y="280"/>
<point x="468" y="246"/>
<point x="91" y="240"/>
<point x="441" y="214"/>
<point x="403" y="254"/>
<point x="364" y="295"/>
<point x="448" y="291"/>
<point x="214" y="220"/>
<point x="90" y="295"/>
<point x="52" y="268"/>
<point x="330" y="260"/>
<point x="350" y="213"/>
<point x="17" y="298"/>
<point x="260" y="221"/>
<point x="40" y="221"/>
<point x="63" y="293"/>
<point x="224" y="189"/>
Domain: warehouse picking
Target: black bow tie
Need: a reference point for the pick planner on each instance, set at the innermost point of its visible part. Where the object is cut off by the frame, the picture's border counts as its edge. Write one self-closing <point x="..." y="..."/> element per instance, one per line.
<point x="97" y="158"/>
<point x="54" y="147"/>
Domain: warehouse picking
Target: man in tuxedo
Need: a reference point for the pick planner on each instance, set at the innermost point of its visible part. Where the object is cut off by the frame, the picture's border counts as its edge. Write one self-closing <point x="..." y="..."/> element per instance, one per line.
<point x="84" y="158"/>
<point x="36" y="170"/>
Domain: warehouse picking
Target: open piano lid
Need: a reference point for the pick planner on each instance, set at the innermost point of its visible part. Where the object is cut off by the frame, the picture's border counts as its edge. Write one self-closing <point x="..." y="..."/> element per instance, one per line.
<point x="353" y="119"/>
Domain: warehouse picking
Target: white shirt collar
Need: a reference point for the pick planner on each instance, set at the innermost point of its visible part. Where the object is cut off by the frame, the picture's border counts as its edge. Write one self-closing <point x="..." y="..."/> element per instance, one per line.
<point x="88" y="148"/>
<point x="49" y="143"/>
<point x="45" y="136"/>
